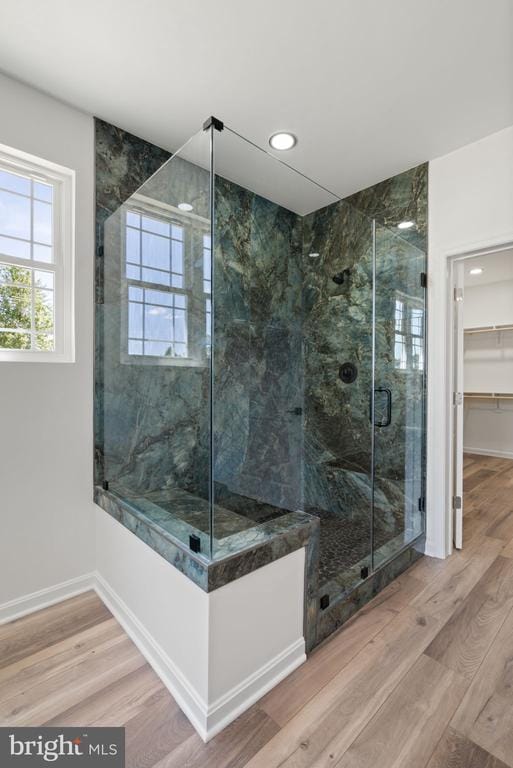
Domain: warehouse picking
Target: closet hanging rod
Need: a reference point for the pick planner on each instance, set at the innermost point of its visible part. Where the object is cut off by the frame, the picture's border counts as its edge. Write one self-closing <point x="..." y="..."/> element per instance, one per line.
<point x="488" y="395"/>
<point x="488" y="329"/>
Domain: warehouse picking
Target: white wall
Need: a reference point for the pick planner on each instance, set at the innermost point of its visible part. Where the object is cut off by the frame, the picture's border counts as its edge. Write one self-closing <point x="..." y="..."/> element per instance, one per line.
<point x="253" y="621"/>
<point x="46" y="446"/>
<point x="488" y="304"/>
<point x="470" y="208"/>
<point x="172" y="609"/>
<point x="217" y="652"/>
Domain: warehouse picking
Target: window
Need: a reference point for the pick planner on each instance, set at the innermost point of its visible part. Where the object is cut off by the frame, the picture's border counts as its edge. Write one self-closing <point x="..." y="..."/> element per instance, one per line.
<point x="154" y="250"/>
<point x="207" y="287"/>
<point x="409" y="334"/>
<point x="36" y="259"/>
<point x="167" y="268"/>
<point x="157" y="323"/>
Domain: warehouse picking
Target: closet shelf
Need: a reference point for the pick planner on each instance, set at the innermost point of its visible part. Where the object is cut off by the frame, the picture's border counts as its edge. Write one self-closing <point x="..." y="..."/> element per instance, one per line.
<point x="488" y="395"/>
<point x="488" y="329"/>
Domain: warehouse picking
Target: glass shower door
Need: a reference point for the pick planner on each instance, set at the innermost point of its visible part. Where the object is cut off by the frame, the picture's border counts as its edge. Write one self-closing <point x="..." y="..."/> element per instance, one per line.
<point x="399" y="393"/>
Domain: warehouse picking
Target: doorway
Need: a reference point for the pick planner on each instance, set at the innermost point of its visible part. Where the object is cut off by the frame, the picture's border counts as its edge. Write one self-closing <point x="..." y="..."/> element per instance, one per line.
<point x="482" y="399"/>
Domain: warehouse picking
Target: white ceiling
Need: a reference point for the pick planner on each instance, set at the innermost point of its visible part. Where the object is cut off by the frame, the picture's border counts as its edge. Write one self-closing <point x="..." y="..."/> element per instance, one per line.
<point x="370" y="87"/>
<point x="497" y="267"/>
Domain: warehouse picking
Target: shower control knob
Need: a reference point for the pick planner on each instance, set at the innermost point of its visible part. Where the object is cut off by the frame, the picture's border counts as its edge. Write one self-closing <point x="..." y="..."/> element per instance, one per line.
<point x="348" y="373"/>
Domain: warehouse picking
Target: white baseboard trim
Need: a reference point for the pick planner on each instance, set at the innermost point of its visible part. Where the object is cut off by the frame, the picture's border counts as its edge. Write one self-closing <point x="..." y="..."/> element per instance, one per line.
<point x="43" y="598"/>
<point x="187" y="698"/>
<point x="236" y="701"/>
<point x="431" y="550"/>
<point x="207" y="720"/>
<point x="489" y="452"/>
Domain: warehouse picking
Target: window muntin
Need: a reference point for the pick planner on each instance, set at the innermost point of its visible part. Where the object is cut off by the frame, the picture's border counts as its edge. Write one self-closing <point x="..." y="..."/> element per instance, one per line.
<point x="157" y="322"/>
<point x="154" y="250"/>
<point x="36" y="259"/>
<point x="409" y="334"/>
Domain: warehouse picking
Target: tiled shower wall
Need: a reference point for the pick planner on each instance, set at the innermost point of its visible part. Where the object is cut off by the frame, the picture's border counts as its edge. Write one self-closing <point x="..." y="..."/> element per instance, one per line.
<point x="156" y="416"/>
<point x="258" y="353"/>
<point x="289" y="434"/>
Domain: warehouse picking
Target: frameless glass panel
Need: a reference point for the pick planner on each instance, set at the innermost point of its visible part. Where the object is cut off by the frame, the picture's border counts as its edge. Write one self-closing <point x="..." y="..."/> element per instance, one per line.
<point x="398" y="516"/>
<point x="155" y="352"/>
<point x="261" y="207"/>
<point x="337" y="336"/>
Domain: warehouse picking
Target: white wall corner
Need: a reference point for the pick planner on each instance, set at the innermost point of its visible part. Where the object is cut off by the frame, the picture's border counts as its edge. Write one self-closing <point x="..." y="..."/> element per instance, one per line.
<point x="187" y="697"/>
<point x="233" y="703"/>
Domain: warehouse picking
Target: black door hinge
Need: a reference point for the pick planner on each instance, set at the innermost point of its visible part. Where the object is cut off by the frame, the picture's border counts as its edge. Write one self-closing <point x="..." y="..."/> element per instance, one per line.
<point x="422" y="504"/>
<point x="423" y="280"/>
<point x="195" y="543"/>
<point x="324" y="602"/>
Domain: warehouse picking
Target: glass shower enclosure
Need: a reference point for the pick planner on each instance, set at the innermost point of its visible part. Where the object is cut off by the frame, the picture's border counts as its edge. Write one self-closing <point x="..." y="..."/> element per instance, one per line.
<point x="261" y="350"/>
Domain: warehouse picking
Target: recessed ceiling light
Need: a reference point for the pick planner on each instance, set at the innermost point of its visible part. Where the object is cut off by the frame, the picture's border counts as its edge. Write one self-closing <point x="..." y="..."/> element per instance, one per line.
<point x="314" y="255"/>
<point x="406" y="225"/>
<point x="282" y="140"/>
<point x="476" y="271"/>
<point x="185" y="206"/>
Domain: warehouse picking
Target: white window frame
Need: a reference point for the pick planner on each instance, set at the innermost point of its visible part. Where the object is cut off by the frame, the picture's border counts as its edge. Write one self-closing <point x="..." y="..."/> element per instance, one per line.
<point x="63" y="266"/>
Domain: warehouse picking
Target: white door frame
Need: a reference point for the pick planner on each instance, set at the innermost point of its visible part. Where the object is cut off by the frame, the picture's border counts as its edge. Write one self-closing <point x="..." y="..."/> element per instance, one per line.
<point x="452" y="259"/>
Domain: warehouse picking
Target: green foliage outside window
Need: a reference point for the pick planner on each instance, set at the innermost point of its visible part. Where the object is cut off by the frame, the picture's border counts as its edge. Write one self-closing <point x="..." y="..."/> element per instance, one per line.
<point x="16" y="311"/>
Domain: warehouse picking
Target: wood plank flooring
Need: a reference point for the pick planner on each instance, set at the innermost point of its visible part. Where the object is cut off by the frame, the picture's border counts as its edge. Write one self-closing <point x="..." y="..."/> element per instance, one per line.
<point x="422" y="677"/>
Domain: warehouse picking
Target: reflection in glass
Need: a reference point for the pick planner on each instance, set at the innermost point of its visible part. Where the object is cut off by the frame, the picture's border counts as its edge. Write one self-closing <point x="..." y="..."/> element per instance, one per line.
<point x="154" y="363"/>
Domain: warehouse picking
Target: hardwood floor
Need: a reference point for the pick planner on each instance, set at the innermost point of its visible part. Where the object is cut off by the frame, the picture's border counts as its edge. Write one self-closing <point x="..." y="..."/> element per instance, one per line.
<point x="422" y="677"/>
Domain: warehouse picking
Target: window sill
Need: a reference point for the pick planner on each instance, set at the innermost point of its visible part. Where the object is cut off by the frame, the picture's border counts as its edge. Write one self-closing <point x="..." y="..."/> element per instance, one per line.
<point x="29" y="356"/>
<point x="178" y="362"/>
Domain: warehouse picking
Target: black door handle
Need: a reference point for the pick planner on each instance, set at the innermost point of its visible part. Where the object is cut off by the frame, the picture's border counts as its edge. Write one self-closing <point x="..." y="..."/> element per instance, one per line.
<point x="388" y="417"/>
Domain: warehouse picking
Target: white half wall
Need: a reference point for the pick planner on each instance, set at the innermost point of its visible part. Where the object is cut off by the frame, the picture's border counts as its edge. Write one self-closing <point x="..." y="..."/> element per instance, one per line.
<point x="161" y="609"/>
<point x="470" y="209"/>
<point x="255" y="636"/>
<point x="217" y="652"/>
<point x="47" y="514"/>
